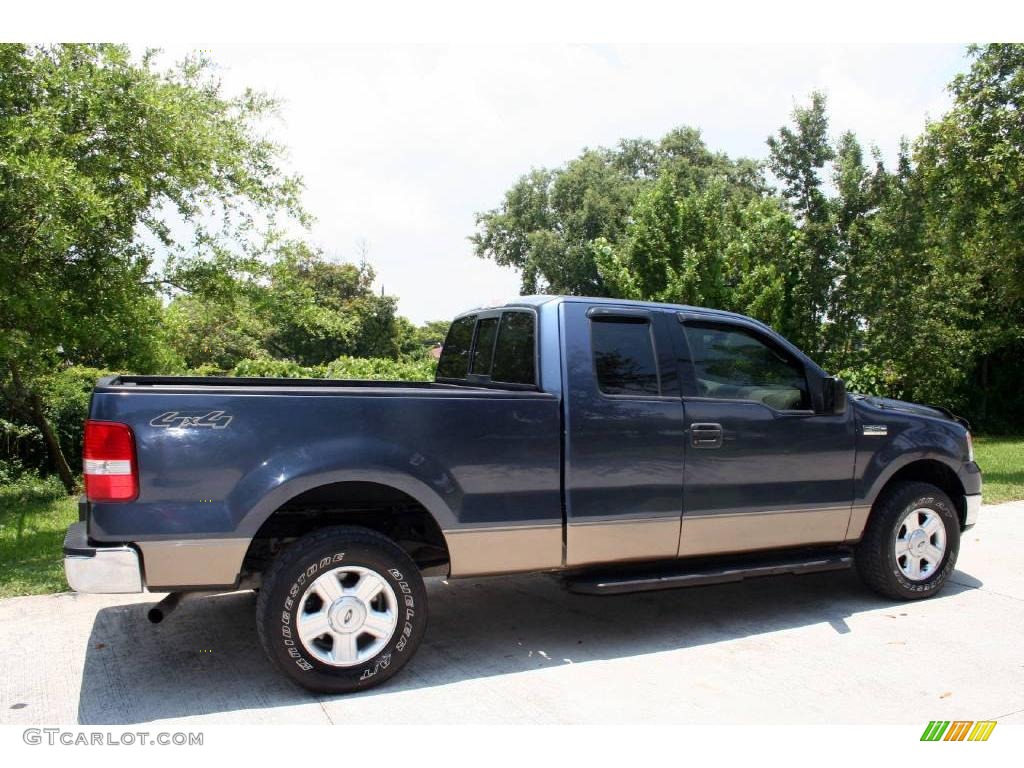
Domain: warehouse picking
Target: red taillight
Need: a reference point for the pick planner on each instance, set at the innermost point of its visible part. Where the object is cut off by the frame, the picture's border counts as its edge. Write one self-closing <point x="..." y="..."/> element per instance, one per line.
<point x="110" y="468"/>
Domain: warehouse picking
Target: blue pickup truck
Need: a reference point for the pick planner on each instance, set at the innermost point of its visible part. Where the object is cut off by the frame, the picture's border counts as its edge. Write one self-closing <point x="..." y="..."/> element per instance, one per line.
<point x="621" y="445"/>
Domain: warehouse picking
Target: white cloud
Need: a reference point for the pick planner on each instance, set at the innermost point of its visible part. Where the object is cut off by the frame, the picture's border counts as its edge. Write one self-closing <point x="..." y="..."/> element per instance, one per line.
<point x="401" y="145"/>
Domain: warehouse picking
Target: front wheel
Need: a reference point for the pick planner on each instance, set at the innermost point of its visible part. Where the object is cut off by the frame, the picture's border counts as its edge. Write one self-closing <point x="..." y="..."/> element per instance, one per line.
<point x="341" y="609"/>
<point x="911" y="542"/>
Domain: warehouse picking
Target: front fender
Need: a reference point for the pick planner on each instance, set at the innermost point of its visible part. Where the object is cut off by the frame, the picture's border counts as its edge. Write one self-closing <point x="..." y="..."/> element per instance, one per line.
<point x="922" y="441"/>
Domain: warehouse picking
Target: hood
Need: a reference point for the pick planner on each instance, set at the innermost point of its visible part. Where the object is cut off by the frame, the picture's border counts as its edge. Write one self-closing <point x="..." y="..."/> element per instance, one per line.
<point x="890" y="404"/>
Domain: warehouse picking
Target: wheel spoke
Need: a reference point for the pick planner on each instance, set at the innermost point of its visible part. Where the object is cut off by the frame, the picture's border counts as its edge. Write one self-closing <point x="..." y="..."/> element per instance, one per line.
<point x="369" y="586"/>
<point x="313" y="625"/>
<point x="902" y="545"/>
<point x="379" y="624"/>
<point x="933" y="554"/>
<point x="913" y="567"/>
<point x="345" y="649"/>
<point x="328" y="587"/>
<point x="933" y="525"/>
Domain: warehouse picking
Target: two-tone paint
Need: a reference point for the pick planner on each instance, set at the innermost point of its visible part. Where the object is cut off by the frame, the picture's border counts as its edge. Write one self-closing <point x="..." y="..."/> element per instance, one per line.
<point x="555" y="476"/>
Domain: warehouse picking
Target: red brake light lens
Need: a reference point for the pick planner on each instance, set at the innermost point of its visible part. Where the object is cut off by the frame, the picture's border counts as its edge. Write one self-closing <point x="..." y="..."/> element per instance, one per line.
<point x="110" y="467"/>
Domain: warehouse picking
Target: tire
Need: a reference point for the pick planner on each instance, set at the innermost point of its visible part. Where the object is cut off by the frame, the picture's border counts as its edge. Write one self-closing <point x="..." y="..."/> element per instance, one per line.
<point x="893" y="575"/>
<point x="317" y="583"/>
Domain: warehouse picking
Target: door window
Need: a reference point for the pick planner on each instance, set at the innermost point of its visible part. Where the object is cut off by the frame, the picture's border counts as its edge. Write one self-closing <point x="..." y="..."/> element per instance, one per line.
<point x="624" y="358"/>
<point x="733" y="363"/>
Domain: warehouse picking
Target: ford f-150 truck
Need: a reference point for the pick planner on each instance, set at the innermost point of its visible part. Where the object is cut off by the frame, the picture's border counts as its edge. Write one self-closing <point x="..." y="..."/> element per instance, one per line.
<point x="622" y="445"/>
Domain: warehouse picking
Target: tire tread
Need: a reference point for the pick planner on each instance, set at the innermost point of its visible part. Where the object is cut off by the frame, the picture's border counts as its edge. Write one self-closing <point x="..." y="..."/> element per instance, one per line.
<point x="299" y="549"/>
<point x="872" y="550"/>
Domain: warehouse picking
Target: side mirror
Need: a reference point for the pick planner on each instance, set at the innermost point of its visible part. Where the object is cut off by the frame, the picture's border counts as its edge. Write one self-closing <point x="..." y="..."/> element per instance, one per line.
<point x="833" y="395"/>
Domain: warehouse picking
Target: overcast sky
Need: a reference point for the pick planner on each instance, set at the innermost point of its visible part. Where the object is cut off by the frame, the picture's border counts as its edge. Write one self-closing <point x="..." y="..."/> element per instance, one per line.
<point x="400" y="146"/>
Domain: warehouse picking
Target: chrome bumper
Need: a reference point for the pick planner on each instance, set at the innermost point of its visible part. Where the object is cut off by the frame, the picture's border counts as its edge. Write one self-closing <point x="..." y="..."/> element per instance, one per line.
<point x="973" y="508"/>
<point x="99" y="569"/>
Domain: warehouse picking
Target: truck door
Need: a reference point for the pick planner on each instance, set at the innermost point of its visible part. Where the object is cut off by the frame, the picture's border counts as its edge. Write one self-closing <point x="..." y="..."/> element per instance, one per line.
<point x="763" y="469"/>
<point x="624" y="434"/>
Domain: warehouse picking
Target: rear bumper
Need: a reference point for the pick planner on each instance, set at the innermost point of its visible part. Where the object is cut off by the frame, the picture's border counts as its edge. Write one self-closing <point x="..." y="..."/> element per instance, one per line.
<point x="99" y="569"/>
<point x="973" y="507"/>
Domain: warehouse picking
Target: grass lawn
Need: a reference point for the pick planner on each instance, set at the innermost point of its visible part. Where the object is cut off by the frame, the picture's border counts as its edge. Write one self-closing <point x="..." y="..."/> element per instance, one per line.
<point x="1002" y="467"/>
<point x="34" y="515"/>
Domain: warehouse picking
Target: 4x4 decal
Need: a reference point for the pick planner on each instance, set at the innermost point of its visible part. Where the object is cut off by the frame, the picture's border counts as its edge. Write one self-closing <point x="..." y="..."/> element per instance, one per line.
<point x="213" y="420"/>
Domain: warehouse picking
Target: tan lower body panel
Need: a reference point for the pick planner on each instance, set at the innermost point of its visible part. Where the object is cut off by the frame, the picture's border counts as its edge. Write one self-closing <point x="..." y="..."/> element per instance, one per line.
<point x="487" y="551"/>
<point x="858" y="519"/>
<point x="192" y="562"/>
<point x="746" y="532"/>
<point x="606" y="542"/>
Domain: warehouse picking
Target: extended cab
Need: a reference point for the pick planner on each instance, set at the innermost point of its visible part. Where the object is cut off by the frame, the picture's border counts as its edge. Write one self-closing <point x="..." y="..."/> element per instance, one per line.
<point x="623" y="445"/>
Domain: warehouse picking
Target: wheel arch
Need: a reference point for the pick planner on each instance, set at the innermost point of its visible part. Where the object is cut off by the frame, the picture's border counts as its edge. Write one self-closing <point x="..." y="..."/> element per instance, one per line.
<point x="403" y="509"/>
<point x="932" y="471"/>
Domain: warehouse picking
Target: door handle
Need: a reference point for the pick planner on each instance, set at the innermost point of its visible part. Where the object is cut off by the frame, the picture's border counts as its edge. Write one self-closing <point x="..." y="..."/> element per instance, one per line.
<point x="706" y="435"/>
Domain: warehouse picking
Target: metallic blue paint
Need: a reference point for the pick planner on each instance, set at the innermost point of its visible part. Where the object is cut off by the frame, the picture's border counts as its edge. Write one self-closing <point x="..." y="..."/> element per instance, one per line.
<point x="470" y="456"/>
<point x="486" y="457"/>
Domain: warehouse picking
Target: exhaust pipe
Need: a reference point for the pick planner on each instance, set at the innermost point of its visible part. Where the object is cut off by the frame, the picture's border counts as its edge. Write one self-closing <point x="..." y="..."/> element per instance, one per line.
<point x="161" y="610"/>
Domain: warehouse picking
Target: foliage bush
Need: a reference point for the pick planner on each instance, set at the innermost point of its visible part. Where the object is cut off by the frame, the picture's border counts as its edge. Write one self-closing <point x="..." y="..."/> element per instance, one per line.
<point x="873" y="380"/>
<point x="267" y="367"/>
<point x="414" y="369"/>
<point x="345" y="367"/>
<point x="66" y="397"/>
<point x="18" y="442"/>
<point x="26" y="485"/>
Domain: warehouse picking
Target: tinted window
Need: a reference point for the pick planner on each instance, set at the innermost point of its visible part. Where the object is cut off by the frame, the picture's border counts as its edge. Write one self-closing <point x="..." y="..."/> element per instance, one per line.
<point x="486" y="330"/>
<point x="624" y="357"/>
<point x="454" y="362"/>
<point x="514" y="352"/>
<point x="732" y="363"/>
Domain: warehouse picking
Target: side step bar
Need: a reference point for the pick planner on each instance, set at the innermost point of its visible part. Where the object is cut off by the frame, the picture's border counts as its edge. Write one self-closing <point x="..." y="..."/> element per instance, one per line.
<point x="682" y="574"/>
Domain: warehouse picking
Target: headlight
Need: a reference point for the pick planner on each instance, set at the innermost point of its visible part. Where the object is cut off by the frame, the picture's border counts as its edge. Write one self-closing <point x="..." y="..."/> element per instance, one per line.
<point x="970" y="447"/>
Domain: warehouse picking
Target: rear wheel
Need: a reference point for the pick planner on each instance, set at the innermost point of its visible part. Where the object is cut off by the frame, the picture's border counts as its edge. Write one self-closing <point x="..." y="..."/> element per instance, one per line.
<point x="911" y="542"/>
<point x="341" y="609"/>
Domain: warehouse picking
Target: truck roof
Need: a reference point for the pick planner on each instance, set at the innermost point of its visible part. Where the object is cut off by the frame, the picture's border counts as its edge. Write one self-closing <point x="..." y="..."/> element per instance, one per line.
<point x="539" y="299"/>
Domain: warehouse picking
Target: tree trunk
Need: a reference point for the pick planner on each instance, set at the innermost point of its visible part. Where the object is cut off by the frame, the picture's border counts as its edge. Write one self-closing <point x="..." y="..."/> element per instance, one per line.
<point x="983" y="408"/>
<point x="35" y="405"/>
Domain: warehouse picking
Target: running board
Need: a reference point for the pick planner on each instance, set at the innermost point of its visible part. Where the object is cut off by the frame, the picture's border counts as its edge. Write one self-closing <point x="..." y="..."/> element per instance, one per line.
<point x="683" y="574"/>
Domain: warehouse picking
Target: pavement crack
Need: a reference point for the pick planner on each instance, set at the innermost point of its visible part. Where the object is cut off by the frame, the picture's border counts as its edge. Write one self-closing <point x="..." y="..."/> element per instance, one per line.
<point x="987" y="591"/>
<point x="320" y="701"/>
<point x="1007" y="714"/>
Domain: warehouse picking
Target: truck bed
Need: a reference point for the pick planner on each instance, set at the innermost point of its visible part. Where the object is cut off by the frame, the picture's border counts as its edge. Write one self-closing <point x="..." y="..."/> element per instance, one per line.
<point x="244" y="383"/>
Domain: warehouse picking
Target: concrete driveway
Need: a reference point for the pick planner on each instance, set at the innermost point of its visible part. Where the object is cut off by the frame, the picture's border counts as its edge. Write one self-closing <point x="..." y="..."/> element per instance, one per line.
<point x="808" y="649"/>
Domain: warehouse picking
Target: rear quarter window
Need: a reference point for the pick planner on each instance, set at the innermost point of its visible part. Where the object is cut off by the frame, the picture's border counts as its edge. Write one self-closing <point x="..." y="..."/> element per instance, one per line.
<point x="499" y="347"/>
<point x="454" y="362"/>
<point x="483" y="350"/>
<point x="514" y="352"/>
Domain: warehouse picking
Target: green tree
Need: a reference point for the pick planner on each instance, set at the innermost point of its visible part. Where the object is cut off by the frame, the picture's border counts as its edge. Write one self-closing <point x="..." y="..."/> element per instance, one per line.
<point x="797" y="155"/>
<point x="104" y="160"/>
<point x="214" y="333"/>
<point x="318" y="310"/>
<point x="551" y="221"/>
<point x="971" y="168"/>
<point x="548" y="219"/>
